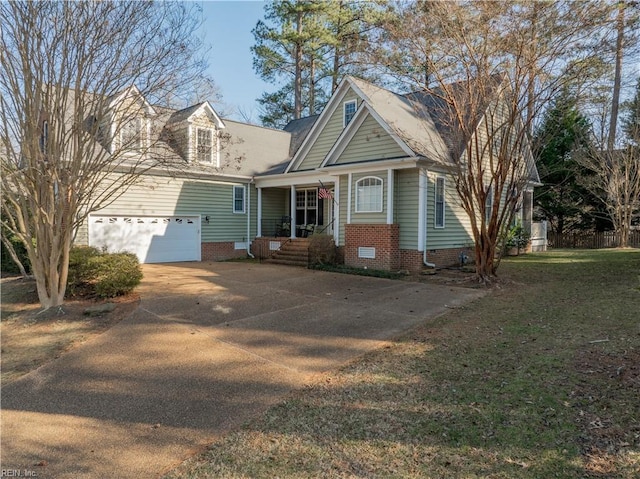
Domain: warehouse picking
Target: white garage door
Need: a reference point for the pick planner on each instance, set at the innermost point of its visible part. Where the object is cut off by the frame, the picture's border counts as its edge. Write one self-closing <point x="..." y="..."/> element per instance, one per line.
<point x="154" y="239"/>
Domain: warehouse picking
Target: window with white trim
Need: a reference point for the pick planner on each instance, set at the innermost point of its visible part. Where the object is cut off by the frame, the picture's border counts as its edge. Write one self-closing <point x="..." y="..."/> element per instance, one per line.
<point x="44" y="137"/>
<point x="488" y="205"/>
<point x="239" y="199"/>
<point x="439" y="202"/>
<point x="369" y="195"/>
<point x="131" y="134"/>
<point x="349" y="109"/>
<point x="204" y="145"/>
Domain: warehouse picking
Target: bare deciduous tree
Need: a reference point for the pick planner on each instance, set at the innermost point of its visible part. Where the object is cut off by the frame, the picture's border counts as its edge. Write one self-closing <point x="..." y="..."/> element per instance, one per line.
<point x="615" y="180"/>
<point x="70" y="116"/>
<point x="493" y="66"/>
<point x="614" y="174"/>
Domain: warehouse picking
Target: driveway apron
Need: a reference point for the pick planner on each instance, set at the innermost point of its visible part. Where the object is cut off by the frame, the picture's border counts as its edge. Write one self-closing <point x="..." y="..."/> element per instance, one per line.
<point x="211" y="346"/>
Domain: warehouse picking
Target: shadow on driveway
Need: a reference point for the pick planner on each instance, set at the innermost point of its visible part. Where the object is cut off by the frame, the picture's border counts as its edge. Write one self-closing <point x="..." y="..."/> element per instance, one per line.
<point x="211" y="345"/>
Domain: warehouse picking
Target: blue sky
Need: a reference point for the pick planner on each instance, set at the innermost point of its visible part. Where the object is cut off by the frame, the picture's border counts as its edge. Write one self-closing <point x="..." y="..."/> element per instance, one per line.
<point x="227" y="29"/>
<point x="227" y="26"/>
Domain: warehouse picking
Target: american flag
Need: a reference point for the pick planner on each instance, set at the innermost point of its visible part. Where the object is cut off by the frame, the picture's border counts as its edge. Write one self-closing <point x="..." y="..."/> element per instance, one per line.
<point x="324" y="193"/>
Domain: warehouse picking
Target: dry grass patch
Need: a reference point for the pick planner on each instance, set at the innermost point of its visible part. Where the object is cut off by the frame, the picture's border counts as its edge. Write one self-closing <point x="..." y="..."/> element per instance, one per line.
<point x="30" y="339"/>
<point x="537" y="380"/>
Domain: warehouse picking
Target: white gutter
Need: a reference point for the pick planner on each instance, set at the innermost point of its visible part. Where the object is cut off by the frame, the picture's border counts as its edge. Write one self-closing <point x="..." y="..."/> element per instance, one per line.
<point x="422" y="216"/>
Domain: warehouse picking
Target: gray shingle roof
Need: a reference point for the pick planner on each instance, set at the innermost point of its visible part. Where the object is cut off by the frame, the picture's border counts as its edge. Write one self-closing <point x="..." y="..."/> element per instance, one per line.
<point x="299" y="130"/>
<point x="183" y="114"/>
<point x="253" y="150"/>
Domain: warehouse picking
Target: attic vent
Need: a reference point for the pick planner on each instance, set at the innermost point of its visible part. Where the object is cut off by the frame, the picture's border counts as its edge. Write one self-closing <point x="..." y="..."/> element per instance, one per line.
<point x="367" y="252"/>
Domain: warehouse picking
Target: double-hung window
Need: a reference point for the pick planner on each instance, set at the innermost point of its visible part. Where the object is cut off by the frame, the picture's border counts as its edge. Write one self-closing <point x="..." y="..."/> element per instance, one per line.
<point x="131" y="134"/>
<point x="204" y="145"/>
<point x="239" y="199"/>
<point x="44" y="136"/>
<point x="369" y="195"/>
<point x="350" y="108"/>
<point x="488" y="205"/>
<point x="439" y="203"/>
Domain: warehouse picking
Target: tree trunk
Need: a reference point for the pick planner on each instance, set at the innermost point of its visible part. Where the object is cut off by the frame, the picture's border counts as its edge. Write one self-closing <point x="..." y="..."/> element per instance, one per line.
<point x="336" y="52"/>
<point x="297" y="108"/>
<point x="615" y="101"/>
<point x="312" y="86"/>
<point x="12" y="252"/>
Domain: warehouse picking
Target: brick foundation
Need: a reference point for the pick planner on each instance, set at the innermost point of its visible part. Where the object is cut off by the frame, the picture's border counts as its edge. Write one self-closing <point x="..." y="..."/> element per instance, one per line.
<point x="221" y="251"/>
<point x="411" y="260"/>
<point x="449" y="256"/>
<point x="384" y="238"/>
<point x="260" y="246"/>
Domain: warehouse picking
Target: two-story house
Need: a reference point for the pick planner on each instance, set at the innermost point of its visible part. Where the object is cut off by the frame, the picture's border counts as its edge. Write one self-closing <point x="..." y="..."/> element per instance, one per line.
<point x="373" y="170"/>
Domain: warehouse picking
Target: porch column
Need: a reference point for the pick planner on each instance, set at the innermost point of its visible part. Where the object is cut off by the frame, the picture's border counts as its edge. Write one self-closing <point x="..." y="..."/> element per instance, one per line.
<point x="336" y="211"/>
<point x="292" y="211"/>
<point x="390" y="196"/>
<point x="350" y="177"/>
<point x="259" y="216"/>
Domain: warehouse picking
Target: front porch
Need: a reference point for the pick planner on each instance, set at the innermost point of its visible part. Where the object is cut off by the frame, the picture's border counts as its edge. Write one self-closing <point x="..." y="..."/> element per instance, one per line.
<point x="296" y="211"/>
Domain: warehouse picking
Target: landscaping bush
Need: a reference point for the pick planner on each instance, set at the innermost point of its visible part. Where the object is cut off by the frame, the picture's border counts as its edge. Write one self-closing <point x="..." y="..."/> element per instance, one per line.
<point x="106" y="275"/>
<point x="8" y="265"/>
<point x="322" y="250"/>
<point x="118" y="274"/>
<point x="81" y="271"/>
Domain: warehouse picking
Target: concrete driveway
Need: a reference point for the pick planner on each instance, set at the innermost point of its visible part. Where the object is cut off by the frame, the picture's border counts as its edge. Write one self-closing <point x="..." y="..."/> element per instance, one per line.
<point x="211" y="346"/>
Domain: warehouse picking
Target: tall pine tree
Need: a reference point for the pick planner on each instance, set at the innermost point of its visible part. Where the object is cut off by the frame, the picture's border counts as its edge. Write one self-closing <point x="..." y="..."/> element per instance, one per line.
<point x="562" y="201"/>
<point x="308" y="47"/>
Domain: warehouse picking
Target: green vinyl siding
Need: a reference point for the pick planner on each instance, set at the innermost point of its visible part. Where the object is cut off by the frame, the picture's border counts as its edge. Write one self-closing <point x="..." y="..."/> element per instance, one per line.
<point x="159" y="195"/>
<point x="342" y="202"/>
<point x="457" y="227"/>
<point x="406" y="207"/>
<point x="327" y="136"/>
<point x="369" y="218"/>
<point x="274" y="206"/>
<point x="371" y="142"/>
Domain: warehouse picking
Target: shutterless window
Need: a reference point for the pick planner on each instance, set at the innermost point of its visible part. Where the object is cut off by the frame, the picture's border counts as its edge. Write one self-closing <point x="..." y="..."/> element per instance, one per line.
<point x="350" y="108"/>
<point x="369" y="195"/>
<point x="44" y="137"/>
<point x="204" y="145"/>
<point x="238" y="199"/>
<point x="131" y="134"/>
<point x="488" y="205"/>
<point x="439" y="216"/>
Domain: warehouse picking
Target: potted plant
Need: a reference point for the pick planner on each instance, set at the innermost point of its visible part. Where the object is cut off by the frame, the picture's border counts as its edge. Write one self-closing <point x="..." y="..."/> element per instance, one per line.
<point x="517" y="239"/>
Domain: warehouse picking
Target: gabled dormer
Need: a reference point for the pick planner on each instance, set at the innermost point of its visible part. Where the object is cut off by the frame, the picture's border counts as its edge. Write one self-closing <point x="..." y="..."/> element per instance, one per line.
<point x="130" y="121"/>
<point x="194" y="133"/>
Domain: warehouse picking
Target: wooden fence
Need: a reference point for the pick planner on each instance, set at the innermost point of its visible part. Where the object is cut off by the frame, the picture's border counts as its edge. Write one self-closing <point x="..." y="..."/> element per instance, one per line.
<point x="603" y="239"/>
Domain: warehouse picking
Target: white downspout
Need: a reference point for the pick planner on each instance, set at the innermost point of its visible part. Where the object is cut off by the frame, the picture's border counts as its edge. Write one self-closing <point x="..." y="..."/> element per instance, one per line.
<point x="249" y="219"/>
<point x="422" y="216"/>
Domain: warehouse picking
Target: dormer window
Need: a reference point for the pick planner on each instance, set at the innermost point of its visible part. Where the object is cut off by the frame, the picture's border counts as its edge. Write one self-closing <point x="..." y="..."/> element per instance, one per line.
<point x="349" y="108"/>
<point x="131" y="134"/>
<point x="204" y="145"/>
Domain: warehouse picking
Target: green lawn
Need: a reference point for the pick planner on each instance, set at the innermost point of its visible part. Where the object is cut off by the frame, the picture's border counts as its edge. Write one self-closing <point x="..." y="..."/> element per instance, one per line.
<point x="540" y="379"/>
